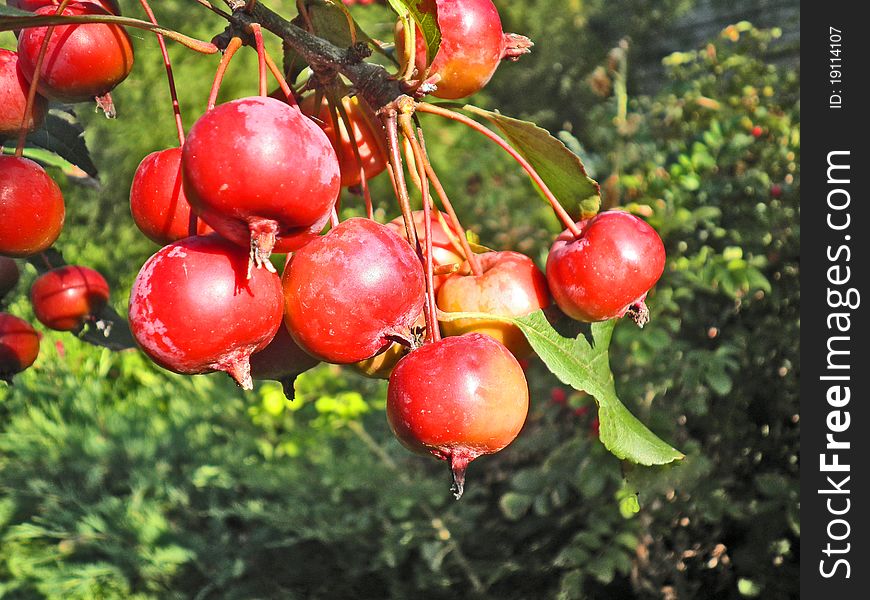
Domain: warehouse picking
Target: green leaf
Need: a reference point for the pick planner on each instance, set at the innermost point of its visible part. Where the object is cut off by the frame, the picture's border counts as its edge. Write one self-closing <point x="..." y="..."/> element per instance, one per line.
<point x="62" y="135"/>
<point x="428" y="24"/>
<point x="586" y="367"/>
<point x="561" y="169"/>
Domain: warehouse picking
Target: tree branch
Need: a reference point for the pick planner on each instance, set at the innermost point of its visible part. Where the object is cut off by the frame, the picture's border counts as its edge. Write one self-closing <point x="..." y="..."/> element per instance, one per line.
<point x="371" y="81"/>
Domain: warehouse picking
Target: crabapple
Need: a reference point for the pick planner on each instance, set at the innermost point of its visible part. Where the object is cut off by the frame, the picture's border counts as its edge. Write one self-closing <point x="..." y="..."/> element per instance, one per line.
<point x="31" y="208"/>
<point x="19" y="346"/>
<point x="65" y="297"/>
<point x="261" y="174"/>
<point x="13" y="98"/>
<point x="82" y="62"/>
<point x="351" y="293"/>
<point x="457" y="399"/>
<point x="607" y="270"/>
<point x="511" y="285"/>
<point x="472" y="46"/>
<point x="368" y="137"/>
<point x="157" y="201"/>
<point x="192" y="309"/>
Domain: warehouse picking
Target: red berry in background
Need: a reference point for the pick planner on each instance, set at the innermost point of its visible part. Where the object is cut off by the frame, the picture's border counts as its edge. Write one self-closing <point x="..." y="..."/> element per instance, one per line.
<point x="19" y="346"/>
<point x="472" y="46"/>
<point x="9" y="275"/>
<point x="261" y="174"/>
<point x="608" y="270"/>
<point x="33" y="5"/>
<point x="13" y="98"/>
<point x="511" y="285"/>
<point x="282" y="360"/>
<point x="193" y="310"/>
<point x="558" y="396"/>
<point x="458" y="398"/>
<point x="776" y="190"/>
<point x="31" y="208"/>
<point x="444" y="252"/>
<point x="157" y="201"/>
<point x="350" y="292"/>
<point x="757" y="131"/>
<point x="65" y="297"/>
<point x="368" y="137"/>
<point x="82" y="62"/>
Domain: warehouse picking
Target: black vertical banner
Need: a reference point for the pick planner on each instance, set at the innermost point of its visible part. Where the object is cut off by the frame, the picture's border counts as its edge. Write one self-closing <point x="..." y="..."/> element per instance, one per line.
<point x="835" y="261"/>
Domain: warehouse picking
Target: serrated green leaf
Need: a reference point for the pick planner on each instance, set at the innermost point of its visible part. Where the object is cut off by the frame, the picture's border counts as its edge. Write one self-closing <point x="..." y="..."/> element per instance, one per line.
<point x="562" y="170"/>
<point x="427" y="23"/>
<point x="586" y="367"/>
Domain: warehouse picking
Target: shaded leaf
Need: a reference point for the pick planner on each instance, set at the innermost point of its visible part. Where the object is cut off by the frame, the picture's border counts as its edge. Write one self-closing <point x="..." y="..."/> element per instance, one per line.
<point x="562" y="170"/>
<point x="62" y="135"/>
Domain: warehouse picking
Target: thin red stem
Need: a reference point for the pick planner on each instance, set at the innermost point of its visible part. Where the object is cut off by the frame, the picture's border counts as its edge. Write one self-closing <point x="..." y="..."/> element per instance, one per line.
<point x="363" y="180"/>
<point x="34" y="84"/>
<point x="470" y="256"/>
<point x="279" y="76"/>
<point x="551" y="198"/>
<point x="170" y="78"/>
<point x="433" y="333"/>
<point x="397" y="174"/>
<point x="261" y="58"/>
<point x="232" y="47"/>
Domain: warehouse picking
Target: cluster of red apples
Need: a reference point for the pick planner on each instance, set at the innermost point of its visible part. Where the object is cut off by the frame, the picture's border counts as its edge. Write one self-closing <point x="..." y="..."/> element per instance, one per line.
<point x="262" y="175"/>
<point x="75" y="64"/>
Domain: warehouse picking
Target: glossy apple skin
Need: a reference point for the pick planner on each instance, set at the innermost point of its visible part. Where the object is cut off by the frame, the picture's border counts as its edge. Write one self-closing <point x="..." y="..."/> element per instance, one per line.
<point x="13" y="98"/>
<point x="347" y="292"/>
<point x="443" y="251"/>
<point x="9" y="275"/>
<point x="458" y="398"/>
<point x="33" y="5"/>
<point x="82" y="61"/>
<point x="19" y="346"/>
<point x="511" y="285"/>
<point x="31" y="208"/>
<point x="282" y="360"/>
<point x="368" y="136"/>
<point x="192" y="309"/>
<point x="472" y="46"/>
<point x="608" y="269"/>
<point x="157" y="201"/>
<point x="256" y="167"/>
<point x="65" y="297"/>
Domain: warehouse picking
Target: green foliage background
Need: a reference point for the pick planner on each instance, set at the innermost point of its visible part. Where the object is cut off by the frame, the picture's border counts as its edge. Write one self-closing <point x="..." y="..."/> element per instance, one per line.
<point x="120" y="480"/>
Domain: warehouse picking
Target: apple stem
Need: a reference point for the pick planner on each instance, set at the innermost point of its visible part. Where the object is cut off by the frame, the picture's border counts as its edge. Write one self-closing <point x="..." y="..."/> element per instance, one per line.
<point x="170" y="78"/>
<point x="409" y="58"/>
<point x="333" y="217"/>
<point x="279" y="76"/>
<point x="557" y="207"/>
<point x="433" y="333"/>
<point x="470" y="256"/>
<point x="34" y="84"/>
<point x="338" y="105"/>
<point x="234" y="44"/>
<point x="397" y="173"/>
<point x="261" y="58"/>
<point x="264" y="233"/>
